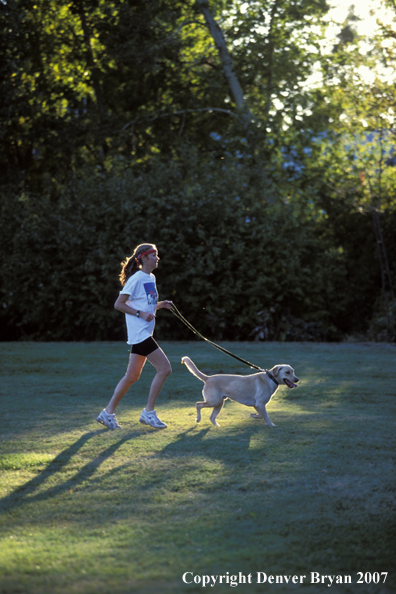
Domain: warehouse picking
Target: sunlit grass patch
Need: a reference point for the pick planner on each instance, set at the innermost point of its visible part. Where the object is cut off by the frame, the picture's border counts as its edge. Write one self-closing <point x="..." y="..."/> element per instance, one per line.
<point x="24" y="461"/>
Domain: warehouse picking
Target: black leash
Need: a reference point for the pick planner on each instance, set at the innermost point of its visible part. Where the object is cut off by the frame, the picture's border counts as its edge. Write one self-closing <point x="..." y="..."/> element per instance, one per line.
<point x="180" y="317"/>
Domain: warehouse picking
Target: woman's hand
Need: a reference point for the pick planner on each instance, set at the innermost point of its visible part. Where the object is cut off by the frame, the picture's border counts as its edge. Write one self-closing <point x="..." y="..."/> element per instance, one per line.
<point x="165" y="305"/>
<point x="149" y="317"/>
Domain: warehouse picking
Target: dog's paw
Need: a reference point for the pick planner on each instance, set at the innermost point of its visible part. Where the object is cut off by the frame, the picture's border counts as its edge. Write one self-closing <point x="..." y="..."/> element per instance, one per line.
<point x="256" y="416"/>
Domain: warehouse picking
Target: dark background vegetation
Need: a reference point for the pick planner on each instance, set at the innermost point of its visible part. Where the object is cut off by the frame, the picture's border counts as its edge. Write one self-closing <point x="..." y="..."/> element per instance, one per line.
<point x="274" y="214"/>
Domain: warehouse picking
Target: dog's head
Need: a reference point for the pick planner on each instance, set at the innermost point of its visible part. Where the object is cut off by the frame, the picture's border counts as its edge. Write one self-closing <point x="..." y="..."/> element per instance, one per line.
<point x="285" y="375"/>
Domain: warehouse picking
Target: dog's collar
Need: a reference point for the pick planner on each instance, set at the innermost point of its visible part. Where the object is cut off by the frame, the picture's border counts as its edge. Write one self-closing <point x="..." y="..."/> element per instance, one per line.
<point x="271" y="376"/>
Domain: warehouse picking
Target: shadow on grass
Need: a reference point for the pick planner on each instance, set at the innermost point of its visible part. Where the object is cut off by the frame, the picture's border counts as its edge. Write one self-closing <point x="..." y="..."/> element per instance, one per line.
<point x="228" y="447"/>
<point x="26" y="493"/>
<point x="207" y="442"/>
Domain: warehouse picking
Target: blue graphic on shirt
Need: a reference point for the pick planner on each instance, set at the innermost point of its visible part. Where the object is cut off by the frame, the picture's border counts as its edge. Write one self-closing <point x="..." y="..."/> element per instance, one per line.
<point x="151" y="292"/>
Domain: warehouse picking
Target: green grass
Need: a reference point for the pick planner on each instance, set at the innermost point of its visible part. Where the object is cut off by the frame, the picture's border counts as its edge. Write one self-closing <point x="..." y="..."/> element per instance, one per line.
<point x="86" y="510"/>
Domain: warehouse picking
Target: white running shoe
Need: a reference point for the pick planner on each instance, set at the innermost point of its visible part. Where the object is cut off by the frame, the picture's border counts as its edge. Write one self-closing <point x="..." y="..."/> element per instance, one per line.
<point x="151" y="418"/>
<point x="109" y="420"/>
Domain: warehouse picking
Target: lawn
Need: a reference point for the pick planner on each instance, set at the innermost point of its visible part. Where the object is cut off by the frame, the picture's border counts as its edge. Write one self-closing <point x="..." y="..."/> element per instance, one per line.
<point x="86" y="510"/>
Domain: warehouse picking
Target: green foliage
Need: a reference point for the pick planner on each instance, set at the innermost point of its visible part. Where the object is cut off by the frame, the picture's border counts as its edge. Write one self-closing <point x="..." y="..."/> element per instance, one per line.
<point x="274" y="48"/>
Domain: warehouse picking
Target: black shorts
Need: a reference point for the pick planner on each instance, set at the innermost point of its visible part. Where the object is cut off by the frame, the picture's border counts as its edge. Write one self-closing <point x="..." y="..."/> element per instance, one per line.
<point x="144" y="348"/>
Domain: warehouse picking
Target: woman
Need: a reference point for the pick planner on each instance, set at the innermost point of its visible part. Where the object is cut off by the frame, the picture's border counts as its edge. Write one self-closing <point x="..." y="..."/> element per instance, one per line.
<point x="139" y="301"/>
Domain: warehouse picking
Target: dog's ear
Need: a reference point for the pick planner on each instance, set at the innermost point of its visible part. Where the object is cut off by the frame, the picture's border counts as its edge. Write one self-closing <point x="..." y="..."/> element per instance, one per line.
<point x="277" y="370"/>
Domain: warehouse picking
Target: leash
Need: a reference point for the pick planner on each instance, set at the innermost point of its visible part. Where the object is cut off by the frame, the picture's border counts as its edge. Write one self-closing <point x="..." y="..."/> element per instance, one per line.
<point x="180" y="317"/>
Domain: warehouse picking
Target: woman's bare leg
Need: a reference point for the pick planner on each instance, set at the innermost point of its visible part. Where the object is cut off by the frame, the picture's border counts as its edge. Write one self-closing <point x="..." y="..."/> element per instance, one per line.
<point x="135" y="366"/>
<point x="161" y="363"/>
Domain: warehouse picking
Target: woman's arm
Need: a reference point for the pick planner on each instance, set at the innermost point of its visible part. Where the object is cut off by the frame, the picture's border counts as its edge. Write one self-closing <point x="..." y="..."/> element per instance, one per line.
<point x="121" y="305"/>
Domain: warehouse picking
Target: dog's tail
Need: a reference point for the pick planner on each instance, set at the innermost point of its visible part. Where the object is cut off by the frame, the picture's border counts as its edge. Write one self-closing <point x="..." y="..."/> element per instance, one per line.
<point x="193" y="369"/>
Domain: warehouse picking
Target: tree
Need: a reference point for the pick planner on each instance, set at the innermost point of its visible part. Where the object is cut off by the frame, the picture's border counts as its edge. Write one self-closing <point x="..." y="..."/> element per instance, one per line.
<point x="351" y="164"/>
<point x="104" y="83"/>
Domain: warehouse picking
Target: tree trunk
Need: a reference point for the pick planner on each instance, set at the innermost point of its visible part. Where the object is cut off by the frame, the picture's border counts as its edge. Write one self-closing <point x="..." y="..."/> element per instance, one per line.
<point x="90" y="58"/>
<point x="225" y="56"/>
<point x="387" y="267"/>
<point x="376" y="227"/>
<point x="271" y="49"/>
<point x="382" y="253"/>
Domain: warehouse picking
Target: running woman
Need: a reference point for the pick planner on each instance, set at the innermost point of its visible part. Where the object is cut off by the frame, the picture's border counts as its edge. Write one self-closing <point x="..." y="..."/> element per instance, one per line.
<point x="138" y="299"/>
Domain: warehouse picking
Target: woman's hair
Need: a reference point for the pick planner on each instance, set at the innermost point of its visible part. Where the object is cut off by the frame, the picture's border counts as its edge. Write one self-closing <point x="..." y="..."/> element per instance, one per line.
<point x="132" y="264"/>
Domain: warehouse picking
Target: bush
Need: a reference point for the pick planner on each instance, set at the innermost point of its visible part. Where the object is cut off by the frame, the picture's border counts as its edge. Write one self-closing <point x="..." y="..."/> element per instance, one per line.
<point x="230" y="247"/>
<point x="383" y="325"/>
<point x="273" y="325"/>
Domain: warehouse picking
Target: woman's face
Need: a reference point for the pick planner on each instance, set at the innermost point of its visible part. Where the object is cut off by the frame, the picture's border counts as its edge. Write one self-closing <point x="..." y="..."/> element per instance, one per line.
<point x="151" y="260"/>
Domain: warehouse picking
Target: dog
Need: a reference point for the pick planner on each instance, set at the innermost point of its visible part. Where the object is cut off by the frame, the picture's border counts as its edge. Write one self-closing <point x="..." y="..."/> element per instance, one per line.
<point x="252" y="390"/>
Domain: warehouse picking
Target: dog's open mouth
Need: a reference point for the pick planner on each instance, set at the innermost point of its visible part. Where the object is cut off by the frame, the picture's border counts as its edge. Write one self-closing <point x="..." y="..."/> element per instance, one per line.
<point x="289" y="384"/>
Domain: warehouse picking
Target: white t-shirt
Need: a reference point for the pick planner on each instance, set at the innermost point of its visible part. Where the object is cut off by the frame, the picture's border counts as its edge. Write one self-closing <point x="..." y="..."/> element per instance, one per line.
<point x="143" y="296"/>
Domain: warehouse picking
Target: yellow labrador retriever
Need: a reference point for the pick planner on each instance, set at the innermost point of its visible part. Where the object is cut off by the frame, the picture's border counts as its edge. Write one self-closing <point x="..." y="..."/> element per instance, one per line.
<point x="253" y="390"/>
